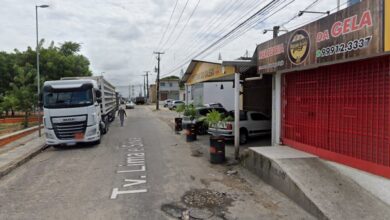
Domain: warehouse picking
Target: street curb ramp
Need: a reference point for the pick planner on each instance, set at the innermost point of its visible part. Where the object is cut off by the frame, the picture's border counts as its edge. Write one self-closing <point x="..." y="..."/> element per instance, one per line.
<point x="271" y="173"/>
<point x="317" y="187"/>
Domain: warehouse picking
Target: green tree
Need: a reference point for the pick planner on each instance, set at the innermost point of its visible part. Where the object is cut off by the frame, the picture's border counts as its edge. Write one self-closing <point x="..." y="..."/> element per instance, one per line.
<point x="8" y="104"/>
<point x="18" y="72"/>
<point x="23" y="90"/>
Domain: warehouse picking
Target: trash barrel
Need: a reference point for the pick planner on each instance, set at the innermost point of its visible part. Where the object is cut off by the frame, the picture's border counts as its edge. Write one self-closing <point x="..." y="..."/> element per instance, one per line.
<point x="178" y="124"/>
<point x="191" y="132"/>
<point x="217" y="149"/>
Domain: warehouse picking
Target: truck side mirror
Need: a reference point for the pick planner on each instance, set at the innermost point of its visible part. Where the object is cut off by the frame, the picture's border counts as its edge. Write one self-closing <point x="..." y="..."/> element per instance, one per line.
<point x="98" y="94"/>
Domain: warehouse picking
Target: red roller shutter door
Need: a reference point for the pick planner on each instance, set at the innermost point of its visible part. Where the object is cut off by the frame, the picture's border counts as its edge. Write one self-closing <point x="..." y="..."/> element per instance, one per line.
<point x="341" y="113"/>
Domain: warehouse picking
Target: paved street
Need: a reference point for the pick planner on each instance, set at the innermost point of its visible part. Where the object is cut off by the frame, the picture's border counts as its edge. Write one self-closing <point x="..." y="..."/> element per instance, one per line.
<point x="139" y="171"/>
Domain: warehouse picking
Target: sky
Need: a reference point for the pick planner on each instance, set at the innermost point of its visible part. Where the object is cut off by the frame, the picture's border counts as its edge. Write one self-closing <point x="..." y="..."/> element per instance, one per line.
<point x="120" y="36"/>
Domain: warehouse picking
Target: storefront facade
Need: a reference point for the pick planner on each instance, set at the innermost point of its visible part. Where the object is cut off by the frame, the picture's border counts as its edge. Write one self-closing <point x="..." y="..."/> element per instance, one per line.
<point x="331" y="87"/>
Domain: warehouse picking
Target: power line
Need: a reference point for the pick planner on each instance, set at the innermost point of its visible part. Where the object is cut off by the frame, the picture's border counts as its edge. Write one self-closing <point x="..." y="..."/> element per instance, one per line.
<point x="214" y="25"/>
<point x="185" y="25"/>
<point x="192" y="52"/>
<point x="237" y="20"/>
<point x="264" y="9"/>
<point x="296" y="15"/>
<point x="247" y="28"/>
<point x="174" y="28"/>
<point x="169" y="22"/>
<point x="217" y="15"/>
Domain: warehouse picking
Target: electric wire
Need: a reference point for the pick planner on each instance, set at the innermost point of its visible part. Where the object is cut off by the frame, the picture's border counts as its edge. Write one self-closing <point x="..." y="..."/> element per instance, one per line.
<point x="177" y="22"/>
<point x="169" y="22"/>
<point x="184" y="27"/>
<point x="242" y="24"/>
<point x="220" y="31"/>
<point x="219" y="27"/>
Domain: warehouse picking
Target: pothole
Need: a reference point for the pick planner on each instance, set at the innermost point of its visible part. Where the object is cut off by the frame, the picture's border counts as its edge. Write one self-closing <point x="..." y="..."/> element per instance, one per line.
<point x="205" y="198"/>
<point x="199" y="204"/>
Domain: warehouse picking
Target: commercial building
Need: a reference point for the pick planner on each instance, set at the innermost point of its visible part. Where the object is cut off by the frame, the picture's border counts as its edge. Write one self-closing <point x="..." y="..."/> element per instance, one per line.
<point x="331" y="86"/>
<point x="208" y="82"/>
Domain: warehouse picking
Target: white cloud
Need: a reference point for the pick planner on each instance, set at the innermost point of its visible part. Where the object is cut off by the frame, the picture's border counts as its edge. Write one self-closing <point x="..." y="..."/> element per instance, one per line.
<point x="119" y="36"/>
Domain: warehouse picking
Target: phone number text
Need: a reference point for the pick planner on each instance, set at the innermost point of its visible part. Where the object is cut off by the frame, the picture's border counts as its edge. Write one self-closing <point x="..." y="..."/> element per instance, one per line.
<point x="352" y="45"/>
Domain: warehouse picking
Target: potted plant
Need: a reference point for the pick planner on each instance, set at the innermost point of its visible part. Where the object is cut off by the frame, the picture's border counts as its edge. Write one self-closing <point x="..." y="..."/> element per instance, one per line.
<point x="179" y="119"/>
<point x="190" y="112"/>
<point x="217" y="142"/>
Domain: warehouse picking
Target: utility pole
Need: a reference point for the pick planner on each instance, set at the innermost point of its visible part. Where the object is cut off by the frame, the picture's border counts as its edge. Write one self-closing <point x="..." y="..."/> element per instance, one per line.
<point x="158" y="80"/>
<point x="276" y="31"/>
<point x="129" y="92"/>
<point x="147" y="84"/>
<point x="144" y="86"/>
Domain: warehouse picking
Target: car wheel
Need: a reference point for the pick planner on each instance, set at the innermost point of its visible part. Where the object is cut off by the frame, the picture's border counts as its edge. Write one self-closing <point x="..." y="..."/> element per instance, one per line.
<point x="243" y="136"/>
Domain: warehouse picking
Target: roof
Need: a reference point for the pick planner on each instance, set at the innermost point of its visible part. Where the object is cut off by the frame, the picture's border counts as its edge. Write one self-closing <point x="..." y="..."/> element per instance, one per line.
<point x="62" y="84"/>
<point x="240" y="65"/>
<point x="191" y="67"/>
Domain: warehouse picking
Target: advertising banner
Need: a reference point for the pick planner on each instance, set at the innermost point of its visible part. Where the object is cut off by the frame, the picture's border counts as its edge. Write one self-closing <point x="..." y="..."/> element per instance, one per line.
<point x="356" y="31"/>
<point x="204" y="71"/>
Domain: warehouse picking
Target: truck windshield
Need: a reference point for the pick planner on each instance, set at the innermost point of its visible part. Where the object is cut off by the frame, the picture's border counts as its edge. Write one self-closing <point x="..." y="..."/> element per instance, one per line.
<point x="68" y="98"/>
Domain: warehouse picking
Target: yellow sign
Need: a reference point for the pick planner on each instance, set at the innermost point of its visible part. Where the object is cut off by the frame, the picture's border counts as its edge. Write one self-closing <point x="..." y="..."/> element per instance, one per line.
<point x="387" y="25"/>
<point x="208" y="71"/>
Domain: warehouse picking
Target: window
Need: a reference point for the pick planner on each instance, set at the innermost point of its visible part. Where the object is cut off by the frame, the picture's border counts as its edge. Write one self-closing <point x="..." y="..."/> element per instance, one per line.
<point x="170" y="84"/>
<point x="162" y="83"/>
<point x="259" y="117"/>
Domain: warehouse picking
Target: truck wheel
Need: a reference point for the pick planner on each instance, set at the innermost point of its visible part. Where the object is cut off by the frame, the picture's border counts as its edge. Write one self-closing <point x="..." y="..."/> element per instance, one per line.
<point x="58" y="147"/>
<point x="97" y="142"/>
<point x="104" y="129"/>
<point x="243" y="136"/>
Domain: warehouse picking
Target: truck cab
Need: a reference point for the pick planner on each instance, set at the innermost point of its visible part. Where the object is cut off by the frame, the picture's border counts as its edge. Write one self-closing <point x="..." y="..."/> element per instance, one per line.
<point x="72" y="113"/>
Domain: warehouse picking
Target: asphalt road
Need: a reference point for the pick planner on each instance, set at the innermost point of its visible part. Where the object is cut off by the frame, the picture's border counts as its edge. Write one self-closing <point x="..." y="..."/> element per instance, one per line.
<point x="140" y="171"/>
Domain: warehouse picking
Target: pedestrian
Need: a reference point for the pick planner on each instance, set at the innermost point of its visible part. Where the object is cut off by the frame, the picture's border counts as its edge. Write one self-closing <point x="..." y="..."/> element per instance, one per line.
<point x="121" y="114"/>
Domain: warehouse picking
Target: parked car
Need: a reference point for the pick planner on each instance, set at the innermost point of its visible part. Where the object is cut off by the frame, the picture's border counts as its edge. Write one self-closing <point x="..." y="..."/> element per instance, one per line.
<point x="251" y="124"/>
<point x="214" y="105"/>
<point x="140" y="100"/>
<point x="130" y="105"/>
<point x="201" y="113"/>
<point x="166" y="102"/>
<point x="173" y="105"/>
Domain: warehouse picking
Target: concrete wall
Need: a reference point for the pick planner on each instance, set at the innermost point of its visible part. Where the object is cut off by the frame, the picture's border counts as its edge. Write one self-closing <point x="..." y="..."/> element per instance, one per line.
<point x="197" y="93"/>
<point x="213" y="93"/>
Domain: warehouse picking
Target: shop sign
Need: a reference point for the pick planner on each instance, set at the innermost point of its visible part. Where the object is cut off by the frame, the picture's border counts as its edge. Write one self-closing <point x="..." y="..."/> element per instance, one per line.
<point x="356" y="31"/>
<point x="204" y="71"/>
<point x="387" y="25"/>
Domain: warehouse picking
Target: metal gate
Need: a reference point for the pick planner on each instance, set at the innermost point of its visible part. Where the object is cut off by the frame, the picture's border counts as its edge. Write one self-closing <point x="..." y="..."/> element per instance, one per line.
<point x="341" y="113"/>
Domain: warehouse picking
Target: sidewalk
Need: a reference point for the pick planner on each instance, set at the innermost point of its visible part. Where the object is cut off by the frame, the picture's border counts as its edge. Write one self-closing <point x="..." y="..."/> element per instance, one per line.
<point x="19" y="151"/>
<point x="325" y="189"/>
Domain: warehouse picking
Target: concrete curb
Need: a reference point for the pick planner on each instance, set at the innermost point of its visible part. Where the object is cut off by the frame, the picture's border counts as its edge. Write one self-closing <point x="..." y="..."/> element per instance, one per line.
<point x="8" y="138"/>
<point x="16" y="157"/>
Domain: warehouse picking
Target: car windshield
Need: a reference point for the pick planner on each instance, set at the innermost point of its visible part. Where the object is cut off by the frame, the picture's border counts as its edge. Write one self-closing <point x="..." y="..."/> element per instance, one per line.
<point x="68" y="98"/>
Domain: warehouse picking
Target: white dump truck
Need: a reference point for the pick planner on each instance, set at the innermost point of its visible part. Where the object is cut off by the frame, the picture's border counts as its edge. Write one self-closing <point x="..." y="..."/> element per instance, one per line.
<point x="78" y="109"/>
